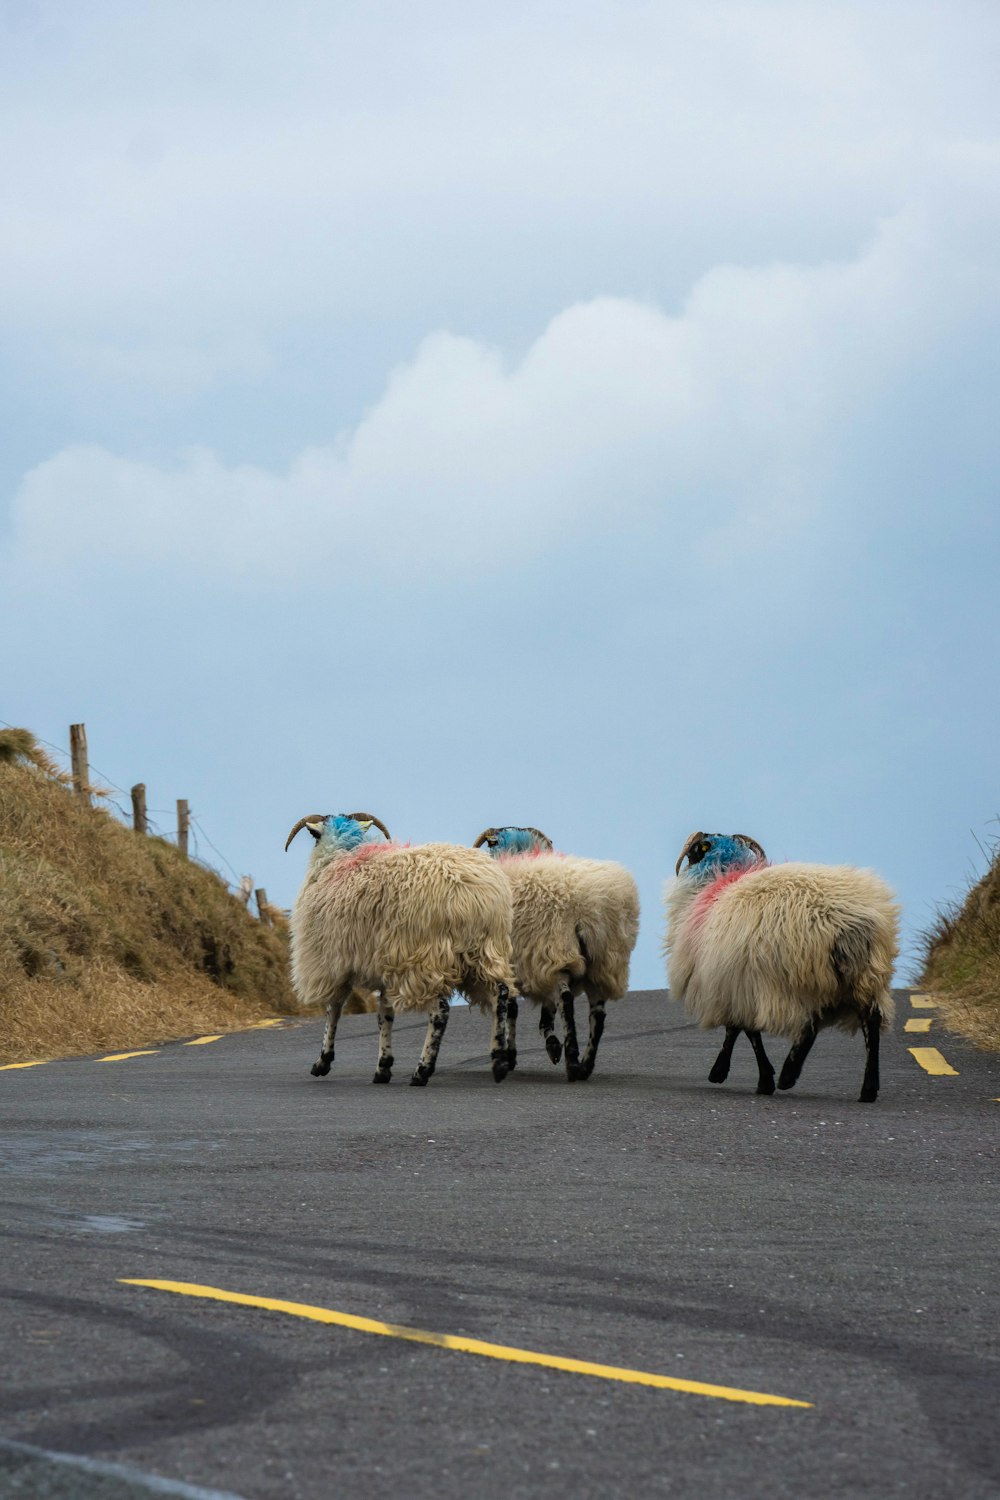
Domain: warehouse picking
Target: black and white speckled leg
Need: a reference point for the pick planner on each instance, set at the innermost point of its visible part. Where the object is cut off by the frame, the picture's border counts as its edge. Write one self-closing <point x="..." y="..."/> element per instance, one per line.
<point x="574" y="1072"/>
<point x="720" y="1068"/>
<point x="765" y="1072"/>
<point x="798" y="1052"/>
<point x="594" y="1037"/>
<point x="871" y="1025"/>
<point x="512" y="1033"/>
<point x="547" y="1026"/>
<point x="500" y="1041"/>
<point x="321" y="1066"/>
<point x="386" y="1016"/>
<point x="436" y="1023"/>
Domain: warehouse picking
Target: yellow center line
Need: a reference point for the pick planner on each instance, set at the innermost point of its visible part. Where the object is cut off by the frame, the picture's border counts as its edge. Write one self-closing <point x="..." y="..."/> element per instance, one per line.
<point x="202" y="1041"/>
<point x="7" y="1067"/>
<point x="121" y="1056"/>
<point x="257" y="1025"/>
<point x="923" y="1002"/>
<point x="931" y="1061"/>
<point x="467" y="1346"/>
<point x="918" y="1023"/>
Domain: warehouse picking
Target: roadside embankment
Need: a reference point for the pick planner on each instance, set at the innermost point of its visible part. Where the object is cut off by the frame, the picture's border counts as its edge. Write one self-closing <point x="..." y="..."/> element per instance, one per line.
<point x="112" y="939"/>
<point x="962" y="961"/>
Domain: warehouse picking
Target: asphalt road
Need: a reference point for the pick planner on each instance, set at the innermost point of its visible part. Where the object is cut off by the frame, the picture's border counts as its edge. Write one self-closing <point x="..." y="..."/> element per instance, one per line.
<point x="803" y="1246"/>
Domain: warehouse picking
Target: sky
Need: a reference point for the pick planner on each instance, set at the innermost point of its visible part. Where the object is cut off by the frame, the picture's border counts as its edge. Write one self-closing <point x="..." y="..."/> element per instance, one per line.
<point x="581" y="415"/>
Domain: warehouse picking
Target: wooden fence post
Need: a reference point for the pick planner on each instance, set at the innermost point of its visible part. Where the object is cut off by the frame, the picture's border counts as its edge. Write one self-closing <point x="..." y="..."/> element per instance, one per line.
<point x="183" y="821"/>
<point x="139" y="807"/>
<point x="263" y="909"/>
<point x="78" y="756"/>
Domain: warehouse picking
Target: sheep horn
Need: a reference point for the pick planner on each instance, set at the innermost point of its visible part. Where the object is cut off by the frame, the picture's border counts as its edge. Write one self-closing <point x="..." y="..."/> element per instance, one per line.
<point x="310" y="818"/>
<point x="370" y="818"/>
<point x="751" y="844"/>
<point x="543" y="838"/>
<point x="687" y="850"/>
<point x="487" y="833"/>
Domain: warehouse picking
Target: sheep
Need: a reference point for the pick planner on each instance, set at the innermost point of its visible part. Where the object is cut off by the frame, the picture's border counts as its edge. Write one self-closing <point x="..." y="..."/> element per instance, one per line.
<point x="788" y="949"/>
<point x="412" y="924"/>
<point x="575" y="925"/>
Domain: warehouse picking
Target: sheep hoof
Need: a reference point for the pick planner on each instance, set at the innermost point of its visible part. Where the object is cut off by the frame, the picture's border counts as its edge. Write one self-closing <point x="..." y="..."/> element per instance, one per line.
<point x="553" y="1047"/>
<point x="766" y="1086"/>
<point x="576" y="1073"/>
<point x="420" y="1077"/>
<point x="381" y="1077"/>
<point x="321" y="1068"/>
<point x="500" y="1069"/>
<point x="719" y="1074"/>
<point x="868" y="1096"/>
<point x="787" y="1079"/>
<point x="511" y="1059"/>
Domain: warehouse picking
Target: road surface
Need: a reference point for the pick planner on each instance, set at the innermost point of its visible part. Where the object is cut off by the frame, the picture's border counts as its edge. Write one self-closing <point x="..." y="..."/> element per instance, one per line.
<point x="644" y="1226"/>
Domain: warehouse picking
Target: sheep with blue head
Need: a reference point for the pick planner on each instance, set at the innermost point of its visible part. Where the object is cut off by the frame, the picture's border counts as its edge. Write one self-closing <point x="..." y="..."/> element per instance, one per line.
<point x="411" y="924"/>
<point x="575" y="922"/>
<point x="788" y="949"/>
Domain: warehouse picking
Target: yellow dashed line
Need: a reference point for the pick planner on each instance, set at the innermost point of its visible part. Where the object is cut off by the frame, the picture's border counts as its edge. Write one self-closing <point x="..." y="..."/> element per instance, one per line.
<point x="918" y="1023"/>
<point x="468" y="1346"/>
<point x="923" y="1002"/>
<point x="8" y="1067"/>
<point x="121" y="1056"/>
<point x="202" y="1041"/>
<point x="257" y="1025"/>
<point x="931" y="1061"/>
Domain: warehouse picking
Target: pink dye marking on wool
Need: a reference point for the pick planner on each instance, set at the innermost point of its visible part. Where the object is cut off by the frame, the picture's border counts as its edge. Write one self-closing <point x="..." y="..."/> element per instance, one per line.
<point x="506" y="859"/>
<point x="339" y="868"/>
<point x="707" y="898"/>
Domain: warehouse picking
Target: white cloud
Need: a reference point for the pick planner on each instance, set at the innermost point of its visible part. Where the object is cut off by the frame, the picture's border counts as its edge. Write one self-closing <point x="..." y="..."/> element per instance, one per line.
<point x="727" y="415"/>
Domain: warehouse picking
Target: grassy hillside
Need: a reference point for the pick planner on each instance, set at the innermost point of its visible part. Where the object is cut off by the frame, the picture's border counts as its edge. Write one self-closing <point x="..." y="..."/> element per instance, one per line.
<point x="110" y="939"/>
<point x="963" y="961"/>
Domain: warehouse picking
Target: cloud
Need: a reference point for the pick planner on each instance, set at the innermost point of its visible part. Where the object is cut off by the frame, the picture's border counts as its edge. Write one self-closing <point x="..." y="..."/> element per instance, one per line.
<point x="727" y="416"/>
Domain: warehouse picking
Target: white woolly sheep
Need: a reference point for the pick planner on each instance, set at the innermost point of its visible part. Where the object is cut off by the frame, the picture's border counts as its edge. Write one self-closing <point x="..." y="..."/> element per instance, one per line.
<point x="574" y="927"/>
<point x="412" y="924"/>
<point x="788" y="949"/>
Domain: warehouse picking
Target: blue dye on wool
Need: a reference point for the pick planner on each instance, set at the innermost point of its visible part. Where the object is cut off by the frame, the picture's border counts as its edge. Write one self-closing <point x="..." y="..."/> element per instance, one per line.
<point x="513" y="841"/>
<point x="725" y="856"/>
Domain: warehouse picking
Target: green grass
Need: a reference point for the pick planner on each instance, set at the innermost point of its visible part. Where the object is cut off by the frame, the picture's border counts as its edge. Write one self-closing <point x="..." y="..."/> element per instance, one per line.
<point x="962" y="960"/>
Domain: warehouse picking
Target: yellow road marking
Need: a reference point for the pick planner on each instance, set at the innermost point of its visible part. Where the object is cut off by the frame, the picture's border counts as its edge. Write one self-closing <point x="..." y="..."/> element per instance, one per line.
<point x="121" y="1056"/>
<point x="923" y="1002"/>
<point x="918" y="1023"/>
<point x="931" y="1061"/>
<point x="256" y="1025"/>
<point x="466" y="1346"/>
<point x="7" y="1067"/>
<point x="201" y="1041"/>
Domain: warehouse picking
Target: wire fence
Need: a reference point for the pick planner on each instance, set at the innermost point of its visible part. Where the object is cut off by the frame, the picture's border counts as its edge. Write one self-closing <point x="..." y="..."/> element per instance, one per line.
<point x="99" y="784"/>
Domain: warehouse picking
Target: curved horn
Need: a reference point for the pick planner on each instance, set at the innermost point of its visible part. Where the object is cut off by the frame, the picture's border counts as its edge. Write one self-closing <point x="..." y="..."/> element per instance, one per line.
<point x="310" y="818"/>
<point x="487" y="833"/>
<point x="692" y="840"/>
<point x="542" y="838"/>
<point x="360" y="817"/>
<point x="753" y="845"/>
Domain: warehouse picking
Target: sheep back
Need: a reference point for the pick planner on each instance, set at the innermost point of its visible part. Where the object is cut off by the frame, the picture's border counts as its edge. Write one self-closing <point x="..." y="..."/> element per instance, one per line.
<point x="420" y="921"/>
<point x="562" y="902"/>
<point x="779" y="944"/>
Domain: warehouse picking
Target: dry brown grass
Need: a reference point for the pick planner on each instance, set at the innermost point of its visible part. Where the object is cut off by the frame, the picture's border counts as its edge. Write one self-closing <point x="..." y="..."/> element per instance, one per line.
<point x="108" y="939"/>
<point x="962" y="961"/>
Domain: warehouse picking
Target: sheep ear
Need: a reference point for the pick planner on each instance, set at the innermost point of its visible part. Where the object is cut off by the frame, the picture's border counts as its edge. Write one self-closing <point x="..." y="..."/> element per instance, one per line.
<point x="692" y="840"/>
<point x="752" y="845"/>
<point x="363" y="817"/>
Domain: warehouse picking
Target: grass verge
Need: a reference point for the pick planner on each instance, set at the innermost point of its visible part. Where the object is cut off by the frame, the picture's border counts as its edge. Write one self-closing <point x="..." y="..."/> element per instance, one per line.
<point x="962" y="961"/>
<point x="110" y="939"/>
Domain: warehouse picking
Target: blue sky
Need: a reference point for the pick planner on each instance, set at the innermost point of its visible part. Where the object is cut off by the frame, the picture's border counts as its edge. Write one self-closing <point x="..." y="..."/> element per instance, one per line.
<point x="580" y="415"/>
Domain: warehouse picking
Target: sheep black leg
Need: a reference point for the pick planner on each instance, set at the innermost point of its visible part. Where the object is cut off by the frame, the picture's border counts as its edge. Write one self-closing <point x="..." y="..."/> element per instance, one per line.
<point x="594" y="1038"/>
<point x="499" y="1056"/>
<point x="547" y="1026"/>
<point x="512" y="1033"/>
<point x="872" y="1027"/>
<point x="765" y="1073"/>
<point x="799" y="1051"/>
<point x="574" y="1072"/>
<point x="321" y="1066"/>
<point x="436" y="1024"/>
<point x="383" y="1068"/>
<point x="720" y="1068"/>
